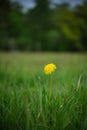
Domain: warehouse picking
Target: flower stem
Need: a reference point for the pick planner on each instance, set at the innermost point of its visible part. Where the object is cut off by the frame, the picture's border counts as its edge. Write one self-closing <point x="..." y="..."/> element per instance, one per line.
<point x="50" y="86"/>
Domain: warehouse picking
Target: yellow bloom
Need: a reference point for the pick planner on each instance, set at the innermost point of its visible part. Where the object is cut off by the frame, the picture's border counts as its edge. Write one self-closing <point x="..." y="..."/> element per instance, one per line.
<point x="49" y="68"/>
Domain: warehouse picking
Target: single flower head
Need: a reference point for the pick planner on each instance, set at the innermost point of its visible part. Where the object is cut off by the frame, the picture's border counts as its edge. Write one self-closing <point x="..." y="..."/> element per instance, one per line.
<point x="49" y="68"/>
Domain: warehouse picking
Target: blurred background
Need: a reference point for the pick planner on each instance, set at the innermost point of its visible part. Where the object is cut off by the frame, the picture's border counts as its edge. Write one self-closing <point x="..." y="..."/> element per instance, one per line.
<point x="43" y="25"/>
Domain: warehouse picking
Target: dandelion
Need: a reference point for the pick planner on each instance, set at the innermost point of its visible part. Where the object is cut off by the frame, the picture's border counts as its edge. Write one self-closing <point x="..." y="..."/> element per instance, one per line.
<point x="49" y="68"/>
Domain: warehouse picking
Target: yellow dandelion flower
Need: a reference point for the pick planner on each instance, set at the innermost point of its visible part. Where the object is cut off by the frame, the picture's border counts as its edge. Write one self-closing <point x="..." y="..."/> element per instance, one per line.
<point x="49" y="68"/>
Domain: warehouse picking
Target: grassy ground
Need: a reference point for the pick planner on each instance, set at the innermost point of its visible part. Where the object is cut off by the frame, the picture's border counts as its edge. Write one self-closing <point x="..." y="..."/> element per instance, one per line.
<point x="25" y="101"/>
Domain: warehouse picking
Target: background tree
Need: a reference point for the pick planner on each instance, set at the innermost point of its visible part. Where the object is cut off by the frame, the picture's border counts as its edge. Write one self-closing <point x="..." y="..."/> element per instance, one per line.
<point x="4" y="22"/>
<point x="39" y="21"/>
<point x="81" y="13"/>
<point x="17" y="26"/>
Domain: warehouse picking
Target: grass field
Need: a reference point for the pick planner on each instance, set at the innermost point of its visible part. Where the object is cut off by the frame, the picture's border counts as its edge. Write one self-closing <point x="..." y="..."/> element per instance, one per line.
<point x="25" y="101"/>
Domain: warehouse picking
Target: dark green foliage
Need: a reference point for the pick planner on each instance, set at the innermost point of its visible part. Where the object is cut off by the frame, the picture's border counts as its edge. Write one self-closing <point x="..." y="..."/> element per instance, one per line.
<point x="43" y="28"/>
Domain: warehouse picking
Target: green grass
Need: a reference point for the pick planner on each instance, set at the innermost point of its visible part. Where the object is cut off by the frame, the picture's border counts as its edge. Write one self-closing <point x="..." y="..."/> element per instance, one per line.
<point x="24" y="92"/>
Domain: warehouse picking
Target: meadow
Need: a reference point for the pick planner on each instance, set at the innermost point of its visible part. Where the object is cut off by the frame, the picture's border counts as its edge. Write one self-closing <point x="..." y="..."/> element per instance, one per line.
<point x="25" y="101"/>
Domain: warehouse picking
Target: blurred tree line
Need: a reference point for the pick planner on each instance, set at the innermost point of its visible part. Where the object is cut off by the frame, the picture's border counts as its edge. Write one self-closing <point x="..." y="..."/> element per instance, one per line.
<point x="43" y="28"/>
